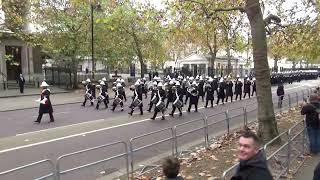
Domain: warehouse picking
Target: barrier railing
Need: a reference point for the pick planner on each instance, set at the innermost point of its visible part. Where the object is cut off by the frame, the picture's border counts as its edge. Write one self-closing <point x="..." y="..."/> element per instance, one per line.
<point x="225" y="118"/>
<point x="134" y="150"/>
<point x="125" y="155"/>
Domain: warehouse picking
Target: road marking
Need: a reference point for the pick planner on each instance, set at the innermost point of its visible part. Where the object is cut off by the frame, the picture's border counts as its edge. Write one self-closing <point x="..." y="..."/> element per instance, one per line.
<point x="85" y="133"/>
<point x="28" y="133"/>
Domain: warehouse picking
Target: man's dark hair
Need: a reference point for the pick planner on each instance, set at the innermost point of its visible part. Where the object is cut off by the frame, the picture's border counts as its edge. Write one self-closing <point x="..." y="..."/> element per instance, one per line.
<point x="250" y="134"/>
<point x="171" y="167"/>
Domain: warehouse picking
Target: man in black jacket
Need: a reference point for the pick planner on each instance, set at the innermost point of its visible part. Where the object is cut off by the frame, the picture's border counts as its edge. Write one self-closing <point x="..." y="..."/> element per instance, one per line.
<point x="21" y="82"/>
<point x="312" y="123"/>
<point x="253" y="163"/>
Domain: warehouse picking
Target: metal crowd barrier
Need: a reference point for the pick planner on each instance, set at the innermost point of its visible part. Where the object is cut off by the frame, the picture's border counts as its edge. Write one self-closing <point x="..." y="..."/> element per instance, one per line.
<point x="125" y="155"/>
<point x="225" y="117"/>
<point x="133" y="150"/>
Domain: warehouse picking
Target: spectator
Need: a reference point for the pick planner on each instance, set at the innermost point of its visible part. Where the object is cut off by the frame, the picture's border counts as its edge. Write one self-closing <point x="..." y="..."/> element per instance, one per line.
<point x="280" y="94"/>
<point x="312" y="122"/>
<point x="171" y="168"/>
<point x="253" y="163"/>
<point x="21" y="82"/>
<point x="316" y="173"/>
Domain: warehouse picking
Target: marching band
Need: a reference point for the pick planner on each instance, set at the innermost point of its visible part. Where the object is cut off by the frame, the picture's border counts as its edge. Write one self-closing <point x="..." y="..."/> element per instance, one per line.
<point x="177" y="91"/>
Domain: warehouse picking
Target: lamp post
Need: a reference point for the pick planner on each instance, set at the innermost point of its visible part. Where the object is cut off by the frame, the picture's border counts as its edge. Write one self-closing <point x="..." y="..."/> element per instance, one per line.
<point x="92" y="8"/>
<point x="92" y="40"/>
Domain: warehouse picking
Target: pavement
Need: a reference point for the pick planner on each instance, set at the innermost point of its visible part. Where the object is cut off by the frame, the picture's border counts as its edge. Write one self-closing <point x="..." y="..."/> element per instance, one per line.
<point x="306" y="170"/>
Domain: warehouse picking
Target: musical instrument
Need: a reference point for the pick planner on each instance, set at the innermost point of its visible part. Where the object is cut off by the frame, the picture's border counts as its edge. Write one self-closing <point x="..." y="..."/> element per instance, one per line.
<point x="88" y="96"/>
<point x="193" y="91"/>
<point x="177" y="103"/>
<point x="100" y="98"/>
<point x="136" y="102"/>
<point x="117" y="100"/>
<point x="160" y="104"/>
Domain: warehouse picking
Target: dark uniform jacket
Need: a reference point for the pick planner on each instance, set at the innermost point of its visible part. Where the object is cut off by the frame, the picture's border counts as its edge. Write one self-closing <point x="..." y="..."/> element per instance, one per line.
<point x="120" y="93"/>
<point x="47" y="107"/>
<point x="253" y="169"/>
<point x="221" y="93"/>
<point x="209" y="92"/>
<point x="254" y="86"/>
<point x="180" y="94"/>
<point x="200" y="88"/>
<point x="238" y="87"/>
<point x="215" y="84"/>
<point x="229" y="91"/>
<point x="138" y="92"/>
<point x="162" y="94"/>
<point x="170" y="95"/>
<point x="246" y="88"/>
<point x="193" y="95"/>
<point x="104" y="90"/>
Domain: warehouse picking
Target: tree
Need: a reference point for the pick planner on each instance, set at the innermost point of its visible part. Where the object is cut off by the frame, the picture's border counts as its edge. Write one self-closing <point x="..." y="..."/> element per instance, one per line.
<point x="63" y="30"/>
<point x="266" y="118"/>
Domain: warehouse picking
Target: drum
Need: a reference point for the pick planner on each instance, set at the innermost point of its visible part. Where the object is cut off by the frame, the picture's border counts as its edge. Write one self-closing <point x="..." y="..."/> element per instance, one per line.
<point x="136" y="102"/>
<point x="160" y="105"/>
<point x="88" y="96"/>
<point x="177" y="103"/>
<point x="100" y="98"/>
<point x="117" y="101"/>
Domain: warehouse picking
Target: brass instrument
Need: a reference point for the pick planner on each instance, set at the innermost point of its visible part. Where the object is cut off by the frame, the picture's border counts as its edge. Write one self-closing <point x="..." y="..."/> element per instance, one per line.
<point x="193" y="91"/>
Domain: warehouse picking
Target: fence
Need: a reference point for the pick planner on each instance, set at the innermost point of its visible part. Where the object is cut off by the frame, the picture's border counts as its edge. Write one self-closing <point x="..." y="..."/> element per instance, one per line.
<point x="201" y="130"/>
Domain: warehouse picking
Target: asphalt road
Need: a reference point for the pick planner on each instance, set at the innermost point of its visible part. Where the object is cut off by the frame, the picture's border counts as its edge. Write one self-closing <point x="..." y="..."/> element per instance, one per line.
<point x="77" y="128"/>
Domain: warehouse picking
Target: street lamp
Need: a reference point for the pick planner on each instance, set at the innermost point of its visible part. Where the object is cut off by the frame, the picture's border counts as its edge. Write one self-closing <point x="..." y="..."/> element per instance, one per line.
<point x="92" y="8"/>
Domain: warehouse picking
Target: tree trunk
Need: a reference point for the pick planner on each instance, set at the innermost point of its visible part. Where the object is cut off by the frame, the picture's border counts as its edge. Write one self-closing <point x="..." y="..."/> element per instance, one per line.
<point x="212" y="51"/>
<point x="266" y="118"/>
<point x="139" y="53"/>
<point x="275" y="64"/>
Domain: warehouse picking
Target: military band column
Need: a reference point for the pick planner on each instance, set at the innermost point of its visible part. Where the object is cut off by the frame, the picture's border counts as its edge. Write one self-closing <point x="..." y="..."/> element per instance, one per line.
<point x="177" y="91"/>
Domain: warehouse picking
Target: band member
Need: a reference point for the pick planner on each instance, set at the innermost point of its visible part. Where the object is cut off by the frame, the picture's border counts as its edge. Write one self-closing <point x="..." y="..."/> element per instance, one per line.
<point x="201" y="88"/>
<point x="103" y="95"/>
<point x="119" y="96"/>
<point x="229" y="90"/>
<point x="153" y="99"/>
<point x="137" y="98"/>
<point x="45" y="103"/>
<point x="123" y="84"/>
<point x="238" y="89"/>
<point x="254" y="86"/>
<point x="160" y="106"/>
<point x="246" y="87"/>
<point x="187" y="86"/>
<point x="144" y="87"/>
<point x="209" y="92"/>
<point x="215" y="84"/>
<point x="88" y="95"/>
<point x="194" y="96"/>
<point x="221" y="93"/>
<point x="178" y="99"/>
<point x="170" y="94"/>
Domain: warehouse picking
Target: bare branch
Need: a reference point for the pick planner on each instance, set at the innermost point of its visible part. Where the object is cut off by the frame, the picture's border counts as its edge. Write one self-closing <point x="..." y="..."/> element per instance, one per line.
<point x="241" y="9"/>
<point x="272" y="18"/>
